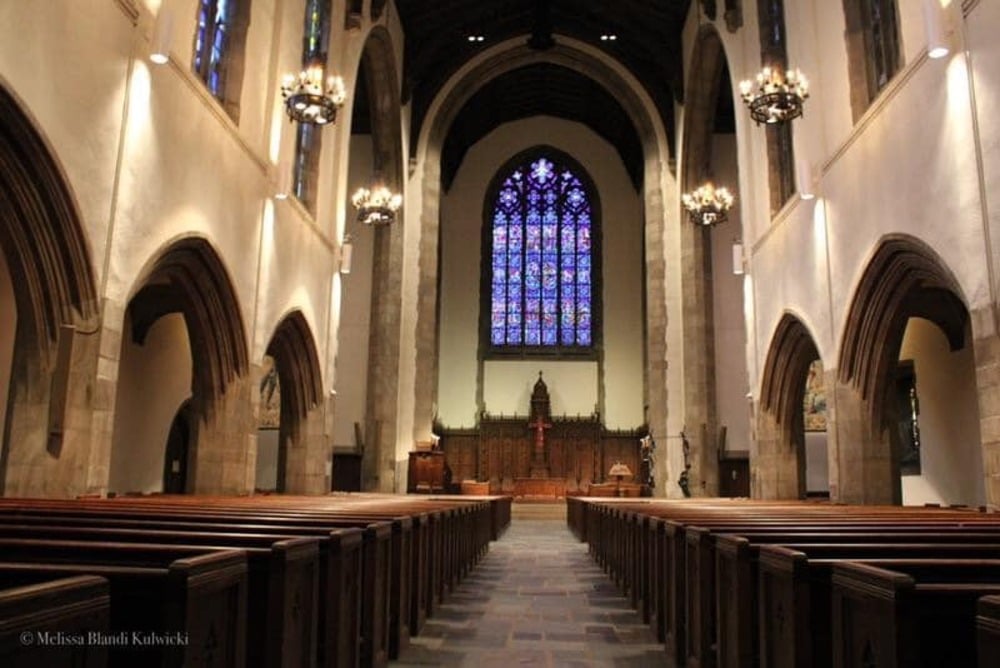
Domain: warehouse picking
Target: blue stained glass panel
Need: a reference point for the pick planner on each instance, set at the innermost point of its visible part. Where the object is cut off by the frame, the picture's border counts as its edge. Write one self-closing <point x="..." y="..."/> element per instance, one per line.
<point x="541" y="254"/>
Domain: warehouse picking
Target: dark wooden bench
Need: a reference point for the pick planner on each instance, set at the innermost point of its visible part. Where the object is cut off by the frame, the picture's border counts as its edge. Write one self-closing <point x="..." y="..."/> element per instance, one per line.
<point x="282" y="581"/>
<point x="54" y="623"/>
<point x="663" y="555"/>
<point x="195" y="599"/>
<point x="988" y="631"/>
<point x="795" y="592"/>
<point x="431" y="549"/>
<point x="918" y="613"/>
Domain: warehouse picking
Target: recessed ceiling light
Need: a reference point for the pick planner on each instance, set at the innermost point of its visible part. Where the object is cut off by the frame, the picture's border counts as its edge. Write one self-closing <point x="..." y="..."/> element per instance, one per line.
<point x="475" y="38"/>
<point x="609" y="37"/>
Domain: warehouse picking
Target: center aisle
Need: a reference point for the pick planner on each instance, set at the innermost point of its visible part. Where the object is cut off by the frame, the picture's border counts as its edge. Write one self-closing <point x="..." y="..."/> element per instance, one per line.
<point x="537" y="599"/>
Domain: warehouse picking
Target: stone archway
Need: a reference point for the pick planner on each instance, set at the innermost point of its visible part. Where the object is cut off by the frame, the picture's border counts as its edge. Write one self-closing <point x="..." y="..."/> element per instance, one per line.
<point x="380" y="250"/>
<point x="49" y="397"/>
<point x="777" y="465"/>
<point x="302" y="455"/>
<point x="706" y="83"/>
<point x="189" y="279"/>
<point x="904" y="278"/>
<point x="658" y="198"/>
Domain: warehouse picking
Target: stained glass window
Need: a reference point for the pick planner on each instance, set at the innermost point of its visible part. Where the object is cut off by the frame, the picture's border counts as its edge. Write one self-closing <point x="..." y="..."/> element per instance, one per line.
<point x="541" y="258"/>
<point x="218" y="48"/>
<point x="210" y="41"/>
<point x="315" y="43"/>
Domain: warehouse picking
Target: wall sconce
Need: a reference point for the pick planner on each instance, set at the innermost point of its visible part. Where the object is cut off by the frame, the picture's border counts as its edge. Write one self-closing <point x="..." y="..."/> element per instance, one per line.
<point x="738" y="258"/>
<point x="163" y="31"/>
<point x="346" y="254"/>
<point x="283" y="178"/>
<point x="934" y="26"/>
<point x="804" y="179"/>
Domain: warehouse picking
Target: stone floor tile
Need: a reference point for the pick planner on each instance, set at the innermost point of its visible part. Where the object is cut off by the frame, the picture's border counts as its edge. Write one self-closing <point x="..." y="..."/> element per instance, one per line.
<point x="536" y="599"/>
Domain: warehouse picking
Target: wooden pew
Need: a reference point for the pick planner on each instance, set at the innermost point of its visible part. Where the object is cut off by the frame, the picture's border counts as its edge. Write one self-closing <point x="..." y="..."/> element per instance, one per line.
<point x="795" y="592"/>
<point x="918" y="613"/>
<point x="671" y="576"/>
<point x="282" y="581"/>
<point x="451" y="536"/>
<point x="54" y="623"/>
<point x="354" y="570"/>
<point x="988" y="631"/>
<point x="195" y="600"/>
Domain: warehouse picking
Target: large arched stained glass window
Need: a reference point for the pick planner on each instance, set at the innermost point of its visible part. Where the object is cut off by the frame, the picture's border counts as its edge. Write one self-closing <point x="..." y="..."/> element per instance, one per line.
<point x="542" y="259"/>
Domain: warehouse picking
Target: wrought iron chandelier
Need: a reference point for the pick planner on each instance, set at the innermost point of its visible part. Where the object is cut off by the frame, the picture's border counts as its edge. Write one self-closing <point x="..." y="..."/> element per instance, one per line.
<point x="708" y="205"/>
<point x="377" y="206"/>
<point x="310" y="99"/>
<point x="775" y="96"/>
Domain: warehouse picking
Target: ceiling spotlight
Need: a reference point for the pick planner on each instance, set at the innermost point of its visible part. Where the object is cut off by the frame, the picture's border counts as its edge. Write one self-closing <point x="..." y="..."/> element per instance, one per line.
<point x="475" y="38"/>
<point x="610" y="37"/>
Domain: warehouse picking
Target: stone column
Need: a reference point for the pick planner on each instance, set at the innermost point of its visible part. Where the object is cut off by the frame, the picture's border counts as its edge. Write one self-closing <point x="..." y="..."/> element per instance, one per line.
<point x="986" y="345"/>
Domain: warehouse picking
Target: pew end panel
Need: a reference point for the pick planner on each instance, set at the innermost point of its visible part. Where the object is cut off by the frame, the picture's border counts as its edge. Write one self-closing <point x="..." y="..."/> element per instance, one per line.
<point x="69" y="608"/>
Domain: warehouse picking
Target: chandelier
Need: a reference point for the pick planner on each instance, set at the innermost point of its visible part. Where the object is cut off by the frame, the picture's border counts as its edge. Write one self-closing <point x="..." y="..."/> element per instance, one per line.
<point x="708" y="205"/>
<point x="309" y="100"/>
<point x="775" y="96"/>
<point x="377" y="206"/>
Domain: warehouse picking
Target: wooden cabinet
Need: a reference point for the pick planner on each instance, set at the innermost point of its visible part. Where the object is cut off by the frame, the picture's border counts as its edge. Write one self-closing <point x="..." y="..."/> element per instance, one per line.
<point x="426" y="473"/>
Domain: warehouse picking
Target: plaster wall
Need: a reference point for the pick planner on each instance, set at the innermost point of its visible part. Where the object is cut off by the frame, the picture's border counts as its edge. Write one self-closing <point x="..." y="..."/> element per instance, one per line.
<point x="8" y="332"/>
<point x="883" y="177"/>
<point x="267" y="459"/>
<point x="351" y="376"/>
<point x="817" y="466"/>
<point x="951" y="464"/>
<point x="503" y="382"/>
<point x="48" y="52"/>
<point x="154" y="380"/>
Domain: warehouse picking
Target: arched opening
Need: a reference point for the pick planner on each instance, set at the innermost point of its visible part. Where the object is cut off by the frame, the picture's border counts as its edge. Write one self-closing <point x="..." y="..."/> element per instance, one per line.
<point x="183" y="328"/>
<point x="789" y="461"/>
<point x="48" y="350"/>
<point x="369" y="330"/>
<point x="716" y="416"/>
<point x="291" y="389"/>
<point x="898" y="393"/>
<point x="176" y="460"/>
<point x="651" y="164"/>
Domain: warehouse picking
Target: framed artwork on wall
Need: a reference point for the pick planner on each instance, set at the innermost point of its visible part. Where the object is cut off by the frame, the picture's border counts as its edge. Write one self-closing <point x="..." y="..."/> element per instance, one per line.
<point x="270" y="396"/>
<point x="814" y="400"/>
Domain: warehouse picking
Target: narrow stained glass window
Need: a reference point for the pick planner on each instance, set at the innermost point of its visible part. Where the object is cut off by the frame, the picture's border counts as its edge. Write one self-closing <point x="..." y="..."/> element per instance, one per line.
<point x="540" y="257"/>
<point x="220" y="32"/>
<point x="315" y="43"/>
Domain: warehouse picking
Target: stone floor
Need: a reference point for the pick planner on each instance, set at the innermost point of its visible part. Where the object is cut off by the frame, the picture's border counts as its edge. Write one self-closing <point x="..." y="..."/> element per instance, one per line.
<point x="537" y="599"/>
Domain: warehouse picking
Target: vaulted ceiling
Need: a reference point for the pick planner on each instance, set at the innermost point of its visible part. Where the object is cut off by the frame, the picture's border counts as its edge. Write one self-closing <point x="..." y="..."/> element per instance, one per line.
<point x="647" y="41"/>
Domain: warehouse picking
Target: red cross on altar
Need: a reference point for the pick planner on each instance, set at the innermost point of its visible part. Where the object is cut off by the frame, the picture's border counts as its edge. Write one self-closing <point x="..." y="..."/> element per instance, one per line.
<point x="539" y="425"/>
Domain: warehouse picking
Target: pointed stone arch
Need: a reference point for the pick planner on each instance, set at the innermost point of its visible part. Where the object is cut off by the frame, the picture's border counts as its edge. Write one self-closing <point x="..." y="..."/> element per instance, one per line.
<point x="378" y="67"/>
<point x="904" y="278"/>
<point x="301" y="458"/>
<point x="777" y="466"/>
<point x="190" y="278"/>
<point x="49" y="398"/>
<point x="702" y="89"/>
<point x="657" y="198"/>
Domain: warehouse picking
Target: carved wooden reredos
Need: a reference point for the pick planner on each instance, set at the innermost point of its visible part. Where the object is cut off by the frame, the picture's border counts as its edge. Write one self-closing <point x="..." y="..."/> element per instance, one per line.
<point x="579" y="449"/>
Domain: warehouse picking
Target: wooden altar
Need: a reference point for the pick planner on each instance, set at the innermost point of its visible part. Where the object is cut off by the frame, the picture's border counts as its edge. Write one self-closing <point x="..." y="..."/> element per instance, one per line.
<point x="539" y="455"/>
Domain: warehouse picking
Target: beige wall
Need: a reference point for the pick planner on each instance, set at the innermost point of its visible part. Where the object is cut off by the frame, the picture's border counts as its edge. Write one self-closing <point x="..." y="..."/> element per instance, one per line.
<point x="574" y="383"/>
<point x="355" y="307"/>
<point x="731" y="384"/>
<point x="951" y="464"/>
<point x="154" y="380"/>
